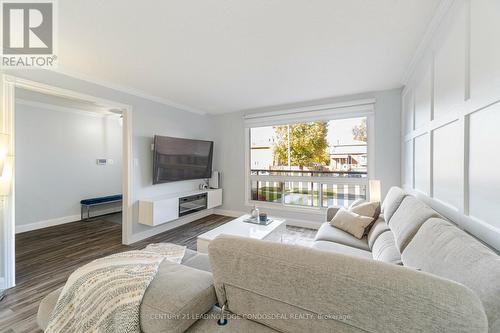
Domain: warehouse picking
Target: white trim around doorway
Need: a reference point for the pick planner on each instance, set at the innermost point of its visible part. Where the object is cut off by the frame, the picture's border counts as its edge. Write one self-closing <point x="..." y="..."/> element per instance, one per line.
<point x="9" y="83"/>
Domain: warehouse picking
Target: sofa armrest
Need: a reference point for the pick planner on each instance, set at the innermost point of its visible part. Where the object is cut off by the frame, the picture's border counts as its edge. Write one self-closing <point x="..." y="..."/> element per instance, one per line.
<point x="298" y="289"/>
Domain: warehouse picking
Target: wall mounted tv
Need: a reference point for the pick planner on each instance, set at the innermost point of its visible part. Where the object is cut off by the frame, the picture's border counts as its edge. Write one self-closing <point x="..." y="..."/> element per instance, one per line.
<point x="178" y="159"/>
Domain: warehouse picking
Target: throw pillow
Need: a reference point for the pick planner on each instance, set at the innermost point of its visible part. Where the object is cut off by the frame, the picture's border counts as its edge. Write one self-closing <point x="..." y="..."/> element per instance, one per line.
<point x="370" y="209"/>
<point x="351" y="222"/>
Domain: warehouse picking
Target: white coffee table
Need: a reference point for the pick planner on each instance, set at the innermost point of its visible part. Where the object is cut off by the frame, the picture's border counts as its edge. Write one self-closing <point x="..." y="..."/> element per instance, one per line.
<point x="237" y="227"/>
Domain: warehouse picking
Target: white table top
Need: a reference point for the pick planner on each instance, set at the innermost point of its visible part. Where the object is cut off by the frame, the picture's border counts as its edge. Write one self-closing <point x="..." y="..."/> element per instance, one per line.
<point x="237" y="227"/>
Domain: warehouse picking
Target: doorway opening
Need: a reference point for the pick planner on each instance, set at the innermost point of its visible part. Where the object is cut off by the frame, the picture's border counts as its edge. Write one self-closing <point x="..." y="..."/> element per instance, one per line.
<point x="66" y="147"/>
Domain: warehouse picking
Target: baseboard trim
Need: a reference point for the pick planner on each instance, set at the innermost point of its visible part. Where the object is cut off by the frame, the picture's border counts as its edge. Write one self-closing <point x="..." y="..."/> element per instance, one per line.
<point x="170" y="225"/>
<point x="46" y="223"/>
<point x="58" y="221"/>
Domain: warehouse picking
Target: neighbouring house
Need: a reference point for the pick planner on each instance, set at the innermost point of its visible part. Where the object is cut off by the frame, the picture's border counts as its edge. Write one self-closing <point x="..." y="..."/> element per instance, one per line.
<point x="349" y="157"/>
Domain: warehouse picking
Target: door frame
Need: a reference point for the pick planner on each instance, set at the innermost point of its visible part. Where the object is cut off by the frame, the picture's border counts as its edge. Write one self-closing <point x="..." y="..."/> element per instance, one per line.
<point x="9" y="84"/>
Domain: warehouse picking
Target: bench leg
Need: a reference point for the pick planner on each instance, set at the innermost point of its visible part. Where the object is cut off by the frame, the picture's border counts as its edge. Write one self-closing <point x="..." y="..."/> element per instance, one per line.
<point x="85" y="210"/>
<point x="87" y="213"/>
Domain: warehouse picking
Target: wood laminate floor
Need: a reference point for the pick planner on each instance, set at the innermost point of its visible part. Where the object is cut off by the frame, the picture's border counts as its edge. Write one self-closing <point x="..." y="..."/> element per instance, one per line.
<point x="45" y="258"/>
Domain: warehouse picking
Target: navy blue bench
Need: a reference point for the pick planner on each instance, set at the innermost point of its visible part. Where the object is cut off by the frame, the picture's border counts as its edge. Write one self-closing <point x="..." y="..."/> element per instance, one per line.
<point x="88" y="203"/>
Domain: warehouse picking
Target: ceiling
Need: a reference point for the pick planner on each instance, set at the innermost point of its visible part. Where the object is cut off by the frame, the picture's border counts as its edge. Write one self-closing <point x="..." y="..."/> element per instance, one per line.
<point x="220" y="56"/>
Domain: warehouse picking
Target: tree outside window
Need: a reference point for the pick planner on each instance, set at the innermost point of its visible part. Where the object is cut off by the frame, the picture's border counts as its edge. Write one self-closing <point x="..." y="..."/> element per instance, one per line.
<point x="335" y="146"/>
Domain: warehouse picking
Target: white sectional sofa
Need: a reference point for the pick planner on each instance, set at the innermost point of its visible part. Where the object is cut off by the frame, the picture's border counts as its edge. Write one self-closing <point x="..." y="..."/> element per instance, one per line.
<point x="411" y="234"/>
<point x="414" y="272"/>
<point x="405" y="214"/>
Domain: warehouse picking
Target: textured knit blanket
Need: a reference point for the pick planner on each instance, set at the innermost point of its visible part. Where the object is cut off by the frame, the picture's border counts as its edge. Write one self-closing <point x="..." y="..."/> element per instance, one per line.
<point x="105" y="295"/>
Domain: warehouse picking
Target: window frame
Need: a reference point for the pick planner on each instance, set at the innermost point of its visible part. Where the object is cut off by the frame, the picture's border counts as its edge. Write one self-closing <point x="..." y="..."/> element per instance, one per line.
<point x="332" y="113"/>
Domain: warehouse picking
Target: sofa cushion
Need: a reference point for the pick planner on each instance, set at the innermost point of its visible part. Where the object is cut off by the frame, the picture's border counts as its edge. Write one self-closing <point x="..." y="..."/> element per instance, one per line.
<point x="408" y="218"/>
<point x="371" y="209"/>
<point x="392" y="201"/>
<point x="329" y="233"/>
<point x="376" y="230"/>
<point x="175" y="297"/>
<point x="339" y="248"/>
<point x="351" y="222"/>
<point x="196" y="260"/>
<point x="336" y="293"/>
<point x="384" y="249"/>
<point x="188" y="254"/>
<point x="441" y="248"/>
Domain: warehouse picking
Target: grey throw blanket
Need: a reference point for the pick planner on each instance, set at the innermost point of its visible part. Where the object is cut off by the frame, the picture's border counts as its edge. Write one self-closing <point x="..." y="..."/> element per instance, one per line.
<point x="105" y="295"/>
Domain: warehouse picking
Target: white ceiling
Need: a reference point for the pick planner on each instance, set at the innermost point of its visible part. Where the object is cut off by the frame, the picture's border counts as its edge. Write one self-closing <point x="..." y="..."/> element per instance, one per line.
<point x="226" y="55"/>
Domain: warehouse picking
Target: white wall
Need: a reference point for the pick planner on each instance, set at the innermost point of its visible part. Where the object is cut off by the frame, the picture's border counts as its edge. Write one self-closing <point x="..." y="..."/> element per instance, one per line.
<point x="451" y="116"/>
<point x="56" y="152"/>
<point x="230" y="153"/>
<point x="148" y="118"/>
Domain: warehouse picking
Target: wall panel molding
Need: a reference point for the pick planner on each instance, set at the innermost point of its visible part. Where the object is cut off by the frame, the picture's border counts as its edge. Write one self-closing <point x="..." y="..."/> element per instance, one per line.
<point x="433" y="26"/>
<point x="464" y="65"/>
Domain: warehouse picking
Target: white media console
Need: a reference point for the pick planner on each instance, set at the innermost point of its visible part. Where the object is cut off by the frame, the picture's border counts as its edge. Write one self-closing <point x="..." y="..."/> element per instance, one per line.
<point x="170" y="207"/>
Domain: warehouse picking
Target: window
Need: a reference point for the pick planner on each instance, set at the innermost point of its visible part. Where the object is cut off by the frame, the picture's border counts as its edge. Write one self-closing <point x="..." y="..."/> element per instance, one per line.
<point x="309" y="164"/>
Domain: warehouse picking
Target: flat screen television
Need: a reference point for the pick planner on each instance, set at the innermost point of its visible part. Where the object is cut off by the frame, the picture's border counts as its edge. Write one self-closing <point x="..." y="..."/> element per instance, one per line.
<point x="178" y="159"/>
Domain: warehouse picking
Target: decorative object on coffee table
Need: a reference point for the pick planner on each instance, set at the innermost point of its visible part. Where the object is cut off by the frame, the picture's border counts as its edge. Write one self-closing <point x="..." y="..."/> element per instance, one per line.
<point x="255" y="212"/>
<point x="262" y="218"/>
<point x="256" y="220"/>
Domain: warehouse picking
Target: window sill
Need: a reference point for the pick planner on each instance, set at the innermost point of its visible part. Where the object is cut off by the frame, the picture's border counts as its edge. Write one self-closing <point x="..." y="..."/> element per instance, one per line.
<point x="278" y="206"/>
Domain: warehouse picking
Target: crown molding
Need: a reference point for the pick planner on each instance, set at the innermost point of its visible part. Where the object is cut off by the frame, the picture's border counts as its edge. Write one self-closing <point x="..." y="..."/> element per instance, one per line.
<point x="96" y="113"/>
<point x="442" y="9"/>
<point x="127" y="90"/>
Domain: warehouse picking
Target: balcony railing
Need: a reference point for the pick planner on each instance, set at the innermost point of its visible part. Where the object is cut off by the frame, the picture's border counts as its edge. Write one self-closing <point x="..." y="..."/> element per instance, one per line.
<point x="308" y="188"/>
<point x="310" y="173"/>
